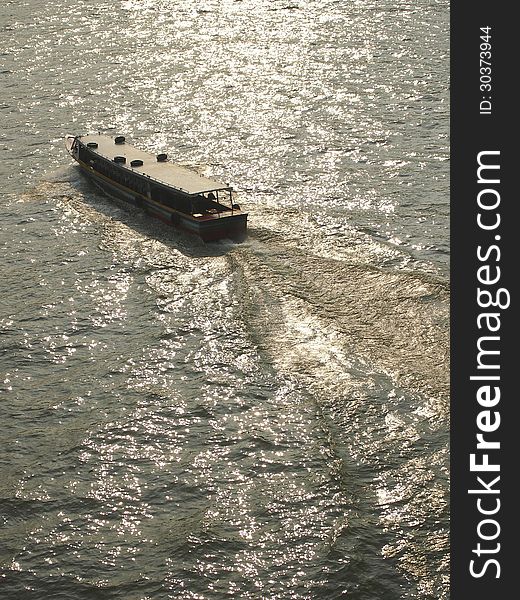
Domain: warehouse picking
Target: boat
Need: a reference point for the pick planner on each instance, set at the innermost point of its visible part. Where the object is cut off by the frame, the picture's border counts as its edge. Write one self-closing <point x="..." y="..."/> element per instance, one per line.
<point x="172" y="193"/>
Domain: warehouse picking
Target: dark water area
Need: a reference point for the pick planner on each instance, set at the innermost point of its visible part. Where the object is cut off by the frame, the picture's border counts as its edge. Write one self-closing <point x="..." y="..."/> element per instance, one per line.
<point x="258" y="420"/>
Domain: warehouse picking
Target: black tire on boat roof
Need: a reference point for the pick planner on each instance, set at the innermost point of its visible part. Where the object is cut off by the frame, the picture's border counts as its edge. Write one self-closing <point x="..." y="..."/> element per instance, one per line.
<point x="136" y="163"/>
<point x="92" y="144"/>
<point x="120" y="139"/>
<point x="161" y="157"/>
<point x="119" y="159"/>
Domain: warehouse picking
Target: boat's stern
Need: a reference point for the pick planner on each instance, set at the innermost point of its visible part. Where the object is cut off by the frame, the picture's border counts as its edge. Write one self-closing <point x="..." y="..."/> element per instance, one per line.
<point x="233" y="227"/>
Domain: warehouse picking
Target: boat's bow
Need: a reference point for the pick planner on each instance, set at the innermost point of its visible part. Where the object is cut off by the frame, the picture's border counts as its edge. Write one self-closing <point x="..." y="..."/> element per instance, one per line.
<point x="69" y="142"/>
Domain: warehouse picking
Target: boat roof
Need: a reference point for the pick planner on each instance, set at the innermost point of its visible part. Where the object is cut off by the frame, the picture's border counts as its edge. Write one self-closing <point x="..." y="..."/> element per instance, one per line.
<point x="168" y="173"/>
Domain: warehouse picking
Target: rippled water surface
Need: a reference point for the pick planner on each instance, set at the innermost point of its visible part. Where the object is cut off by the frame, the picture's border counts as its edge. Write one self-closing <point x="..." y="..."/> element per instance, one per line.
<point x="257" y="420"/>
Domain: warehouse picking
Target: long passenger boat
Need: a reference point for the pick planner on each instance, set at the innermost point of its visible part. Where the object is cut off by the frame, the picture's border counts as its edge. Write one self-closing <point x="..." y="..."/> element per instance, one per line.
<point x="176" y="195"/>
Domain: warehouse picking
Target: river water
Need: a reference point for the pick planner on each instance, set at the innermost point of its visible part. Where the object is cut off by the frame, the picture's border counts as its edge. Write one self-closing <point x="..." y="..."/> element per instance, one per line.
<point x="258" y="420"/>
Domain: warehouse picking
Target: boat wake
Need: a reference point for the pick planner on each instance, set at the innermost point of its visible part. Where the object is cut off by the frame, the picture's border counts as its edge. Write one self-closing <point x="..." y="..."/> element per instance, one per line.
<point x="355" y="334"/>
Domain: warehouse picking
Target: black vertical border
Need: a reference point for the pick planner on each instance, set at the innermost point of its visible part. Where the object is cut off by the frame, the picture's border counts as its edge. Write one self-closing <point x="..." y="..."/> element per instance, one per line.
<point x="471" y="133"/>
